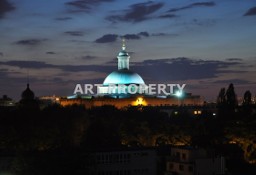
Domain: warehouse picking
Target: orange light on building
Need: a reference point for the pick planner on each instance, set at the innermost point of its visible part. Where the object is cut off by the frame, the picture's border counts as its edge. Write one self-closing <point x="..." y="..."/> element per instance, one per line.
<point x="139" y="101"/>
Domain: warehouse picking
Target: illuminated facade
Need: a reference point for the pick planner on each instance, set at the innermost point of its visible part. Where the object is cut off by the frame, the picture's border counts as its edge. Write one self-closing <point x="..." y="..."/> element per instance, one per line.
<point x="124" y="76"/>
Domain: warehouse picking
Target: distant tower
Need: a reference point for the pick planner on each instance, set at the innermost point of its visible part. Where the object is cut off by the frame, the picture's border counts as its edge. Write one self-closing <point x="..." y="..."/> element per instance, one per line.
<point x="28" y="101"/>
<point x="123" y="58"/>
<point x="27" y="94"/>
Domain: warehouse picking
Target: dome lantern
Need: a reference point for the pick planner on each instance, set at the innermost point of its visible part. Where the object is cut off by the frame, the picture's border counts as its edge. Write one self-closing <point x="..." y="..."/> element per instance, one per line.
<point x="123" y="58"/>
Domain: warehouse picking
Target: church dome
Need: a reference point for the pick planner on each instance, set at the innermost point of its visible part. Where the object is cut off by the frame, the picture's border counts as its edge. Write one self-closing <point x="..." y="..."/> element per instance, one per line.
<point x="28" y="94"/>
<point x="123" y="76"/>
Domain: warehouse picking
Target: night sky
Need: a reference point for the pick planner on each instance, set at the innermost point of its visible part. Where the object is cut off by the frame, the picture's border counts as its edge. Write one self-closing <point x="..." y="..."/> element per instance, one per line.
<point x="59" y="43"/>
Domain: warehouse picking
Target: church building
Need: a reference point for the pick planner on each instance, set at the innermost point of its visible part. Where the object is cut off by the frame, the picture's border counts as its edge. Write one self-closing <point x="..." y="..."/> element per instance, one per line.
<point x="123" y="77"/>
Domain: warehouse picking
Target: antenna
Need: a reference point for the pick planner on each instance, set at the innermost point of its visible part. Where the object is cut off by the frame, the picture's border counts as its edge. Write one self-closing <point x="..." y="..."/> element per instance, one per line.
<point x="27" y="76"/>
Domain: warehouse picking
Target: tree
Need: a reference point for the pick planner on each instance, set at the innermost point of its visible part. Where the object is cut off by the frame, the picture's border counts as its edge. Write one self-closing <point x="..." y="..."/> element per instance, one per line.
<point x="247" y="98"/>
<point x="227" y="102"/>
<point x="247" y="101"/>
<point x="221" y="97"/>
<point x="231" y="97"/>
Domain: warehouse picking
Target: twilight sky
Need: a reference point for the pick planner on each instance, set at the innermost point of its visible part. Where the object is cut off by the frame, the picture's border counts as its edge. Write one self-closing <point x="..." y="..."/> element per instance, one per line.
<point x="204" y="44"/>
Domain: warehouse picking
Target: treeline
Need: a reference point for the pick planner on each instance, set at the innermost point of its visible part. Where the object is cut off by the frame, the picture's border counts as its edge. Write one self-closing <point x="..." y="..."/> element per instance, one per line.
<point x="228" y="107"/>
<point x="57" y="127"/>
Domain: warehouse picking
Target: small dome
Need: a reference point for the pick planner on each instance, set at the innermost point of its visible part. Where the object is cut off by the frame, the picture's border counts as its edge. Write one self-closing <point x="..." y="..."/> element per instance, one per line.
<point x="28" y="94"/>
<point x="123" y="77"/>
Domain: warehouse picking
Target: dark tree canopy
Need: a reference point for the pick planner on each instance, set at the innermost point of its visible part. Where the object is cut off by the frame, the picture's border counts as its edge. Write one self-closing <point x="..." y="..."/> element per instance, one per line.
<point x="247" y="98"/>
<point x="221" y="97"/>
<point x="231" y="96"/>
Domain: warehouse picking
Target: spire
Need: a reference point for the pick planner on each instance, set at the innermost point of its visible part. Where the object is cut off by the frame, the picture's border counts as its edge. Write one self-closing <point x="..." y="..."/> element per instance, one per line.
<point x="27" y="78"/>
<point x="123" y="43"/>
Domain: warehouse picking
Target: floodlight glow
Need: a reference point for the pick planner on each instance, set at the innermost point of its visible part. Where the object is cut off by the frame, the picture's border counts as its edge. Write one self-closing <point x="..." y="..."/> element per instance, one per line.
<point x="178" y="93"/>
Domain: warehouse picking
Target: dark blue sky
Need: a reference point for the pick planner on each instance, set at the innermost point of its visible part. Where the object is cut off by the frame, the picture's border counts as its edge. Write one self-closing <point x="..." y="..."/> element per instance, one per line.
<point x="204" y="44"/>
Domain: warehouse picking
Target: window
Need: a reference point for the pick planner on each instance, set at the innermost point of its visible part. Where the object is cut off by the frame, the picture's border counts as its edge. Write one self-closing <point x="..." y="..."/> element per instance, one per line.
<point x="170" y="166"/>
<point x="181" y="167"/>
<point x="190" y="168"/>
<point x="183" y="156"/>
<point x="178" y="155"/>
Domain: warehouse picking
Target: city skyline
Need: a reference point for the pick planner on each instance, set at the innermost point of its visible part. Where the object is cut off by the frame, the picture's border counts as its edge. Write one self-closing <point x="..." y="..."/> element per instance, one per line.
<point x="204" y="44"/>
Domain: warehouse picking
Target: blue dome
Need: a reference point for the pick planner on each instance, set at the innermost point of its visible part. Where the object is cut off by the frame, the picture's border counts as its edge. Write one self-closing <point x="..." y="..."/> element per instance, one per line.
<point x="123" y="77"/>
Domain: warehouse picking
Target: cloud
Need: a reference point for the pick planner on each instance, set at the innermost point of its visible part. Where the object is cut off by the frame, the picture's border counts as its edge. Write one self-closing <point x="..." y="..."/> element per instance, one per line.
<point x="68" y="68"/>
<point x="1" y="54"/>
<point x="250" y="12"/>
<point x="234" y="59"/>
<point x="75" y="33"/>
<point x="177" y="69"/>
<point x="172" y="69"/>
<point x="167" y="16"/>
<point x="136" y="36"/>
<point x="5" y="6"/>
<point x="113" y="37"/>
<point x="63" y="18"/>
<point x="146" y="34"/>
<point x="30" y="42"/>
<point x="203" y="22"/>
<point x="159" y="34"/>
<point x="137" y="12"/>
<point x="88" y="57"/>
<point x="197" y="4"/>
<point x="50" y="53"/>
<point x="28" y="64"/>
<point x="108" y="38"/>
<point x="131" y="36"/>
<point x="234" y="81"/>
<point x="85" y="5"/>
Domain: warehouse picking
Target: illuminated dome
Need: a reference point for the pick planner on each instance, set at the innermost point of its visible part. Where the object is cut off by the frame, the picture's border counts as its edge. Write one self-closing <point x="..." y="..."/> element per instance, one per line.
<point x="123" y="76"/>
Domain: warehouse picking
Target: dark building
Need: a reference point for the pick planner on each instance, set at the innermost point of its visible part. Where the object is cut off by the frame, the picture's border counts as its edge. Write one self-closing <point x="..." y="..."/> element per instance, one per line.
<point x="28" y="100"/>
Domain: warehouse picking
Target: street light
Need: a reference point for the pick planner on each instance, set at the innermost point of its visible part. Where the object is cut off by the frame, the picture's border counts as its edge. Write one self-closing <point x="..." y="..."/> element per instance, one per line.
<point x="178" y="94"/>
